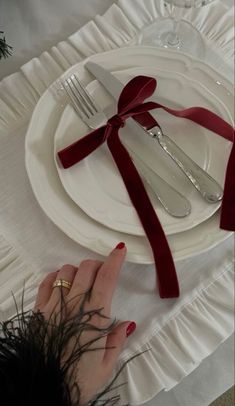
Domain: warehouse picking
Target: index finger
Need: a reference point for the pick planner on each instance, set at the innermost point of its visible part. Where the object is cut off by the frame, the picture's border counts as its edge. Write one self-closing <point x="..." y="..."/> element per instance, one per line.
<point x="107" y="277"/>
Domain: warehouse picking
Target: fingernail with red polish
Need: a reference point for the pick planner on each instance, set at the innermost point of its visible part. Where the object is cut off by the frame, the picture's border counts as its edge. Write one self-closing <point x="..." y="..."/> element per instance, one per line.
<point x="120" y="245"/>
<point x="130" y="328"/>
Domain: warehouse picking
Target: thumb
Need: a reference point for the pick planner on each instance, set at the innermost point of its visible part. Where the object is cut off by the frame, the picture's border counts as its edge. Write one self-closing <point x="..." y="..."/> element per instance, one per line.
<point x="115" y="342"/>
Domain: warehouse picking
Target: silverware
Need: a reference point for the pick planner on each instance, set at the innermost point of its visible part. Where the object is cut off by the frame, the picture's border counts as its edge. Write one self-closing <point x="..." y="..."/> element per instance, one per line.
<point x="173" y="202"/>
<point x="209" y="189"/>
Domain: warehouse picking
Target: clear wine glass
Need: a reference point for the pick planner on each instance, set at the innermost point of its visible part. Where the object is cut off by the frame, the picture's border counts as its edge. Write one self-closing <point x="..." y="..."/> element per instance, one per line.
<point x="174" y="32"/>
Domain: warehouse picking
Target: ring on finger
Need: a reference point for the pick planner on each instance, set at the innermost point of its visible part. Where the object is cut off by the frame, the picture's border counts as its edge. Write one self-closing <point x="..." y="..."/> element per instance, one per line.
<point x="62" y="283"/>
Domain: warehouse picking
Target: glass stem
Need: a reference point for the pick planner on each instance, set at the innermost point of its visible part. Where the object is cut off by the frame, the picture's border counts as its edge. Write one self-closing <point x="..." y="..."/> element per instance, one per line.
<point x="173" y="38"/>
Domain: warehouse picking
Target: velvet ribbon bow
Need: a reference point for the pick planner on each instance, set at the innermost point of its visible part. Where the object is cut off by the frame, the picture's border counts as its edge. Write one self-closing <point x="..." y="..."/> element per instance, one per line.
<point x="131" y="104"/>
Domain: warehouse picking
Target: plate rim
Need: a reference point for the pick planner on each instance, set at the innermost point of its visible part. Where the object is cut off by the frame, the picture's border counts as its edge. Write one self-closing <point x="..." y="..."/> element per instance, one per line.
<point x="101" y="247"/>
<point x="101" y="217"/>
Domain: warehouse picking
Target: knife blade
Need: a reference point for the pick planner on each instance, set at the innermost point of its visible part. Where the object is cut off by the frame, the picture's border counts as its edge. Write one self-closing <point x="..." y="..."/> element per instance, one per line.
<point x="208" y="187"/>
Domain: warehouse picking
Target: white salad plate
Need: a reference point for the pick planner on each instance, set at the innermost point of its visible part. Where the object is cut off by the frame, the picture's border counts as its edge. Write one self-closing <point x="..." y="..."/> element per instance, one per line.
<point x="95" y="184"/>
<point x="46" y="183"/>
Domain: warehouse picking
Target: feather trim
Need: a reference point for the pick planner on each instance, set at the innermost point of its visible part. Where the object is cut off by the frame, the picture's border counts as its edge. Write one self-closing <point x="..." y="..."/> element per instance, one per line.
<point x="5" y="50"/>
<point x="33" y="367"/>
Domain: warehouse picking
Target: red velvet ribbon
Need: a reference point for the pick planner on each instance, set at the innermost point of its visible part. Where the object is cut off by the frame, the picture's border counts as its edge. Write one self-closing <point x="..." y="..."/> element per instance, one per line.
<point x="131" y="104"/>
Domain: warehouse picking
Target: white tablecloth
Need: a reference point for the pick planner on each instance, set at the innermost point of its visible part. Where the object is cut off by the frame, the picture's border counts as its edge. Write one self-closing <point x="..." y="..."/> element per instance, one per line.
<point x="25" y="252"/>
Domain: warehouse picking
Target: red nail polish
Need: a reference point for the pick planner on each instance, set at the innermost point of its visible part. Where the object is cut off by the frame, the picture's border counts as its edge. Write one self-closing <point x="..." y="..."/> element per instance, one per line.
<point x="130" y="328"/>
<point x="120" y="245"/>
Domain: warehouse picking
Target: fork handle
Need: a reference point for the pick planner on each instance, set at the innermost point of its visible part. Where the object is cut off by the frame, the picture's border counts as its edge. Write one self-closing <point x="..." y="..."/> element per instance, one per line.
<point x="210" y="190"/>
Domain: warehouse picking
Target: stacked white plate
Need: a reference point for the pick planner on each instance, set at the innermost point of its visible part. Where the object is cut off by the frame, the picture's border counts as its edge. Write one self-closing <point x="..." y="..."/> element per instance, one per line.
<point x="89" y="201"/>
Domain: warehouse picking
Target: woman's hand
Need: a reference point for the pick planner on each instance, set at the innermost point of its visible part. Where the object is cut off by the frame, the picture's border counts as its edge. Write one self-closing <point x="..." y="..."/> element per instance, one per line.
<point x="90" y="296"/>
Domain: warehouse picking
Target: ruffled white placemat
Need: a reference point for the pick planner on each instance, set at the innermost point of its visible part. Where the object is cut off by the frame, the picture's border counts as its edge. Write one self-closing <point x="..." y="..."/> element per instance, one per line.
<point x="179" y="334"/>
<point x="116" y="28"/>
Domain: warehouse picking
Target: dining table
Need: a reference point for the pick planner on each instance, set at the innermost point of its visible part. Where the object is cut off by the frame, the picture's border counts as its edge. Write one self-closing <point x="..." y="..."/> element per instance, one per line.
<point x="187" y="343"/>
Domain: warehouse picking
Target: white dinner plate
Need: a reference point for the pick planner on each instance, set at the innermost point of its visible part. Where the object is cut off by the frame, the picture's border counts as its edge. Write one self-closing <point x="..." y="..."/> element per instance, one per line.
<point x="95" y="184"/>
<point x="46" y="183"/>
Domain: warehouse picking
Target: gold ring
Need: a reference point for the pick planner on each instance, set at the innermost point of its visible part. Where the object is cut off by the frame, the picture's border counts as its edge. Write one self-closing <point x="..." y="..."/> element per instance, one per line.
<point x="61" y="283"/>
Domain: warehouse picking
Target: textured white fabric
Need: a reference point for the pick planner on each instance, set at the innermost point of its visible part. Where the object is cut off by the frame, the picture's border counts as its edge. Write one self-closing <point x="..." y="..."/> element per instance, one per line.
<point x="33" y="26"/>
<point x="213" y="377"/>
<point x="180" y="333"/>
<point x="119" y="26"/>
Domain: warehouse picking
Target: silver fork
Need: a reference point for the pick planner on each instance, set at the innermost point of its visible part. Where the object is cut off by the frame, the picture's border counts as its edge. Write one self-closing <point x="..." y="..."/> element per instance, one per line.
<point x="173" y="202"/>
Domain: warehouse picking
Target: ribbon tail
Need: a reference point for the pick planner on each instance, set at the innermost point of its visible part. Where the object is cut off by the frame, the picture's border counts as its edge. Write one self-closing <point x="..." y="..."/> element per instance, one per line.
<point x="165" y="268"/>
<point x="214" y="123"/>
<point x="227" y="218"/>
<point x="206" y="119"/>
<point x="80" y="149"/>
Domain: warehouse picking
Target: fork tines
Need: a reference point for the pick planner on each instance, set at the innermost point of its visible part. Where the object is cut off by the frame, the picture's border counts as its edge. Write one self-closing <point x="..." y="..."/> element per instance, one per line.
<point x="79" y="96"/>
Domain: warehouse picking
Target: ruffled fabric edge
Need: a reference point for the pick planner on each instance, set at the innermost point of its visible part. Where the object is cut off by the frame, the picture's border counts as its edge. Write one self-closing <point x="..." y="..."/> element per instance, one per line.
<point x="20" y="92"/>
<point x="172" y="353"/>
<point x="182" y="344"/>
<point x="16" y="277"/>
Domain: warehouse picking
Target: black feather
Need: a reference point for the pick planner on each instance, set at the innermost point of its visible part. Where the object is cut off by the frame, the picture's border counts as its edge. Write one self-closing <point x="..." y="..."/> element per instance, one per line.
<point x="5" y="50"/>
<point x="32" y="349"/>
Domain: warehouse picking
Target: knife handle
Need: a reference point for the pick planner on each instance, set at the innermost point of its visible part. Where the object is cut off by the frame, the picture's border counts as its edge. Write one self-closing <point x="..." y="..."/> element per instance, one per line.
<point x="173" y="202"/>
<point x="210" y="190"/>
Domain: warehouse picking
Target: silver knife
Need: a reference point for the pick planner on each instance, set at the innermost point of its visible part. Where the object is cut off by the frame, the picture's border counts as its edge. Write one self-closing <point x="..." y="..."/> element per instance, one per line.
<point x="210" y="190"/>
